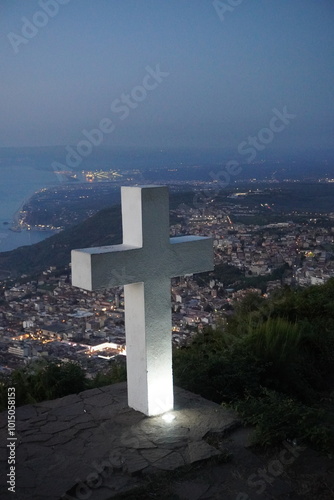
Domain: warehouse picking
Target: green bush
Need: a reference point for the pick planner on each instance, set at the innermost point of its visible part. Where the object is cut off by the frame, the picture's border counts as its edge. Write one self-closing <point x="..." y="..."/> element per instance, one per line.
<point x="277" y="417"/>
<point x="217" y="366"/>
<point x="117" y="373"/>
<point x="42" y="381"/>
<point x="273" y="362"/>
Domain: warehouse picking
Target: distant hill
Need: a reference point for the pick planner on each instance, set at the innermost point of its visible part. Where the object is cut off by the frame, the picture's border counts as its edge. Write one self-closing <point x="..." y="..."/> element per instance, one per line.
<point x="103" y="228"/>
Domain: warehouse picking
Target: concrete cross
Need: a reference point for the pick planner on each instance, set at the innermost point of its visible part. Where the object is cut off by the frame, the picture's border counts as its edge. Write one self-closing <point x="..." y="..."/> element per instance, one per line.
<point x="145" y="262"/>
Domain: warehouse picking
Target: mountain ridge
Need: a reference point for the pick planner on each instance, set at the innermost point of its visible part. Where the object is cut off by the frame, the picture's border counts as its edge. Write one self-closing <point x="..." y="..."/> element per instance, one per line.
<point x="103" y="228"/>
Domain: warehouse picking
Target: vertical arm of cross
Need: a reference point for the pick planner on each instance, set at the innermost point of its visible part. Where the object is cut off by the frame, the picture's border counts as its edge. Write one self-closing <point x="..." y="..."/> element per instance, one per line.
<point x="145" y="216"/>
<point x="148" y="326"/>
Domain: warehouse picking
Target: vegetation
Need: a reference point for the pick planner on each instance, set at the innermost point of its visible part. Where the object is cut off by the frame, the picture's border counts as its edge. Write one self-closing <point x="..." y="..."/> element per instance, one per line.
<point x="43" y="380"/>
<point x="273" y="363"/>
<point x="117" y="373"/>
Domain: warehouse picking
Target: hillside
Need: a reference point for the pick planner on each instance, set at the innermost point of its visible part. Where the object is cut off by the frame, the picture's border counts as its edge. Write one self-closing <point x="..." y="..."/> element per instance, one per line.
<point x="103" y="228"/>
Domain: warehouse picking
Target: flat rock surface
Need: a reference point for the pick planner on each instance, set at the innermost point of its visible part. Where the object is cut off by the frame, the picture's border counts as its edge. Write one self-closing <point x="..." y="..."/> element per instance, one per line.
<point x="92" y="445"/>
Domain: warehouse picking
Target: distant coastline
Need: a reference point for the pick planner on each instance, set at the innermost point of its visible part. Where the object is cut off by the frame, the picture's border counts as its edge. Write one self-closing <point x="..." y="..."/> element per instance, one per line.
<point x="19" y="185"/>
<point x="15" y="218"/>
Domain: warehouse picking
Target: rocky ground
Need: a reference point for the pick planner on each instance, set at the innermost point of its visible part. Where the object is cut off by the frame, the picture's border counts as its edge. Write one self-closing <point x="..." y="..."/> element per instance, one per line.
<point x="92" y="446"/>
<point x="244" y="472"/>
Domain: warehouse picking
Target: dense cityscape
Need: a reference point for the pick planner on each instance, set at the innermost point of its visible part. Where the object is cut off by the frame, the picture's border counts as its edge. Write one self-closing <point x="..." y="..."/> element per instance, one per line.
<point x="46" y="318"/>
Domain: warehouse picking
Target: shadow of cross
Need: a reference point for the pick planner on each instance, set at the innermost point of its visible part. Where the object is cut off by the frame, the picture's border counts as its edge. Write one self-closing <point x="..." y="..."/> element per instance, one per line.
<point x="144" y="263"/>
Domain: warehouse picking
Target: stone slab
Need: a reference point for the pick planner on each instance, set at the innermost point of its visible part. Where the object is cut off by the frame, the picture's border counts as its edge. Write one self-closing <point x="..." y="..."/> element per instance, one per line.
<point x="116" y="450"/>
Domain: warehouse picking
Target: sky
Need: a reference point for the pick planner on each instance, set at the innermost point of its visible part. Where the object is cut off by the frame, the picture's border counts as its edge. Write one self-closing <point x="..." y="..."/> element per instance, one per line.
<point x="167" y="73"/>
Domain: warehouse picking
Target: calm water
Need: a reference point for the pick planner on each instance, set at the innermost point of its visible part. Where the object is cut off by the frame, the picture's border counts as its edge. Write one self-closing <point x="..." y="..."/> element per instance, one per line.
<point x="17" y="184"/>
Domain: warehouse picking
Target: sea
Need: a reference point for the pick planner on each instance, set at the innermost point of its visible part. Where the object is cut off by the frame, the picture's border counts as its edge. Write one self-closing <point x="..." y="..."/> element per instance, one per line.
<point x="17" y="185"/>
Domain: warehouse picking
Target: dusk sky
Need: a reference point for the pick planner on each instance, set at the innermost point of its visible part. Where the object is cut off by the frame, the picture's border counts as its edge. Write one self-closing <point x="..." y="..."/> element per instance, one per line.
<point x="227" y="71"/>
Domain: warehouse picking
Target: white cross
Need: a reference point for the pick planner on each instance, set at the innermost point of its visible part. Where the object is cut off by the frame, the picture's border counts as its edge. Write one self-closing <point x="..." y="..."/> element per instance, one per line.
<point x="145" y="262"/>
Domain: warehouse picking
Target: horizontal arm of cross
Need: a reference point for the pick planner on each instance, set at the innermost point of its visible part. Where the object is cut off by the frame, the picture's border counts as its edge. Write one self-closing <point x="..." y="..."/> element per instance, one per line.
<point x="106" y="267"/>
<point x="191" y="254"/>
